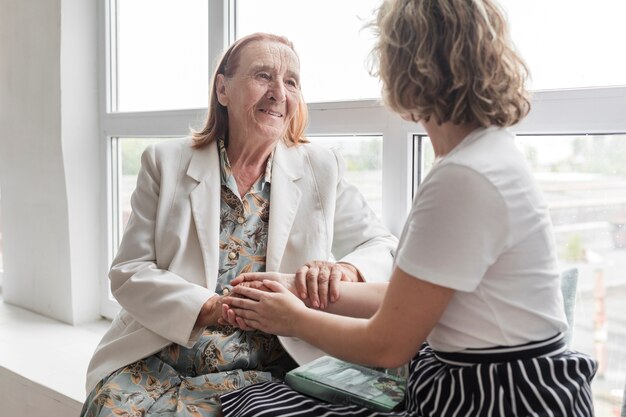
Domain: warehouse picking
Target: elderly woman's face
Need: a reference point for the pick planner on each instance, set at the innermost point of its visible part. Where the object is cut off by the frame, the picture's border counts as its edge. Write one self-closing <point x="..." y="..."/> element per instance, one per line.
<point x="262" y="96"/>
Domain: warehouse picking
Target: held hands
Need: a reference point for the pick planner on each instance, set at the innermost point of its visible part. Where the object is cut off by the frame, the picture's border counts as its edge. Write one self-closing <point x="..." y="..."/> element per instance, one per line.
<point x="251" y="280"/>
<point x="276" y="311"/>
<point x="213" y="311"/>
<point x="316" y="283"/>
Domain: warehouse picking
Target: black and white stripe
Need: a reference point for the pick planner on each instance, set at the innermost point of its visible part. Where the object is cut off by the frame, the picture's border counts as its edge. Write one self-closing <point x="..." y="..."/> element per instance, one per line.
<point x="535" y="379"/>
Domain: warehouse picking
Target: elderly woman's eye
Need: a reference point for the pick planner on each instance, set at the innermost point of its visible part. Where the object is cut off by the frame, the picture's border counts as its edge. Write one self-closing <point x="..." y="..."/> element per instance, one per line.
<point x="292" y="83"/>
<point x="264" y="75"/>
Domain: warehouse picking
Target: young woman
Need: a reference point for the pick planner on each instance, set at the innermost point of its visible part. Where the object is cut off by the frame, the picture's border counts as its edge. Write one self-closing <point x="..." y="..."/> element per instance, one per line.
<point x="476" y="275"/>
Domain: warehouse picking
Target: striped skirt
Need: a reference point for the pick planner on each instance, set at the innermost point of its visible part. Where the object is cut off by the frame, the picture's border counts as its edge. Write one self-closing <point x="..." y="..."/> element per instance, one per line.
<point x="535" y="379"/>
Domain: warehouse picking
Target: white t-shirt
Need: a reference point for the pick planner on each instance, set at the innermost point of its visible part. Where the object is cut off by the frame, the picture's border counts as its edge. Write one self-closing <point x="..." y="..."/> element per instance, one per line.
<point x="480" y="225"/>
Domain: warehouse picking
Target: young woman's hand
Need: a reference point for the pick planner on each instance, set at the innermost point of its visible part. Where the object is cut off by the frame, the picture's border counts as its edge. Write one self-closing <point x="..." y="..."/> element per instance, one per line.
<point x="228" y="316"/>
<point x="276" y="311"/>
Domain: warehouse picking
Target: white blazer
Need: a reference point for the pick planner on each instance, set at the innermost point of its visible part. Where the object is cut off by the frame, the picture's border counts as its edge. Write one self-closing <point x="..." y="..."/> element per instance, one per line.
<point x="166" y="267"/>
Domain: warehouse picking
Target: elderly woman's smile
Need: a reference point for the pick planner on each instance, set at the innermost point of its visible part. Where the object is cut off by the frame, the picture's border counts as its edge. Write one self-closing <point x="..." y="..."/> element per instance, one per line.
<point x="271" y="113"/>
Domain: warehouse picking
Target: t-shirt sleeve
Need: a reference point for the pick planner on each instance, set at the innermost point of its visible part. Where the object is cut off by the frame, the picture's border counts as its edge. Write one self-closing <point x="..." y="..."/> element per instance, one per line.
<point x="457" y="228"/>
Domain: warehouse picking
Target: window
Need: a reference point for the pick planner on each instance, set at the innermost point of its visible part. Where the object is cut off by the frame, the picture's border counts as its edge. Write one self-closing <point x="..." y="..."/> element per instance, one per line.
<point x="146" y="97"/>
<point x="570" y="45"/>
<point x="329" y="38"/>
<point x="423" y="159"/>
<point x="125" y="164"/>
<point x="159" y="57"/>
<point x="583" y="178"/>
<point x="156" y="56"/>
<point x="363" y="156"/>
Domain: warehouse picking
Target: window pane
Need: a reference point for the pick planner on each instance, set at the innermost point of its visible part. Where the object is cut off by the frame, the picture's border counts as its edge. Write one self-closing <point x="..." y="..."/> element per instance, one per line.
<point x="364" y="168"/>
<point x="583" y="179"/>
<point x="570" y="44"/>
<point x="162" y="54"/>
<point x="423" y="159"/>
<point x="329" y="38"/>
<point x="126" y="163"/>
<point x="362" y="154"/>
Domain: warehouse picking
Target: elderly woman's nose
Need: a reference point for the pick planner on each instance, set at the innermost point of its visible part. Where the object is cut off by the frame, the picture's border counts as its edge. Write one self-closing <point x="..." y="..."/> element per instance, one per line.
<point x="277" y="91"/>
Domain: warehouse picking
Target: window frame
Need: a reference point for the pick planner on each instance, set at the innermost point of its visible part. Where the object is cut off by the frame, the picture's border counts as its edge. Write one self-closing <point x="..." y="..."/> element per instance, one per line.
<point x="554" y="112"/>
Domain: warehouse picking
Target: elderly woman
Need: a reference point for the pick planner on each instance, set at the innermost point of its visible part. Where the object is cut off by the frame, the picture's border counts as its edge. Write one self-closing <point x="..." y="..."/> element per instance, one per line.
<point x="245" y="194"/>
<point x="476" y="273"/>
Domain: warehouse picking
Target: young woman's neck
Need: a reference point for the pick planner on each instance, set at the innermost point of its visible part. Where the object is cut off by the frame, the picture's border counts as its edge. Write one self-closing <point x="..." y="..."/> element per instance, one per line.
<point x="446" y="136"/>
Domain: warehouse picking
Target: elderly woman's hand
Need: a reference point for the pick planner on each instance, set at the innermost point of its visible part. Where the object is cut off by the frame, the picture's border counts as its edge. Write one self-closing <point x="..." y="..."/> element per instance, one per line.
<point x="255" y="280"/>
<point x="317" y="281"/>
<point x="210" y="312"/>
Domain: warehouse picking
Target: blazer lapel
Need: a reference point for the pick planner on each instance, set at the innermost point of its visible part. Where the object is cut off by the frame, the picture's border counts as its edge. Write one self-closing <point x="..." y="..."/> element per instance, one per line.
<point x="284" y="200"/>
<point x="205" y="206"/>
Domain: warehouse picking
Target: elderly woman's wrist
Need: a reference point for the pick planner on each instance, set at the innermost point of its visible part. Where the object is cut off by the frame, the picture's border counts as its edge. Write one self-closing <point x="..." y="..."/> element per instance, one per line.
<point x="210" y="312"/>
<point x="289" y="282"/>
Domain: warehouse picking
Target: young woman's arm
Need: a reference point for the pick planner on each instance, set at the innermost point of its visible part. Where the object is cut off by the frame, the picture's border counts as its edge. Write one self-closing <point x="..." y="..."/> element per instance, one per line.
<point x="350" y="299"/>
<point x="410" y="309"/>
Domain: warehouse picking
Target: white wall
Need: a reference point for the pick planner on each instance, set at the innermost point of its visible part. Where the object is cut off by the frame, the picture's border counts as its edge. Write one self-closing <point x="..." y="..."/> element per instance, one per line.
<point x="82" y="153"/>
<point x="49" y="159"/>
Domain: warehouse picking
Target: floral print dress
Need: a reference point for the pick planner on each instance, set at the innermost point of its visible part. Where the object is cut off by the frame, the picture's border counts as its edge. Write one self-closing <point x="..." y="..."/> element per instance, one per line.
<point x="179" y="381"/>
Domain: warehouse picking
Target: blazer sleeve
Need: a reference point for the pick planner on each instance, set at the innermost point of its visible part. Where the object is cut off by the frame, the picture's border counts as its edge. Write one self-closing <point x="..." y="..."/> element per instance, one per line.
<point x="158" y="299"/>
<point x="359" y="237"/>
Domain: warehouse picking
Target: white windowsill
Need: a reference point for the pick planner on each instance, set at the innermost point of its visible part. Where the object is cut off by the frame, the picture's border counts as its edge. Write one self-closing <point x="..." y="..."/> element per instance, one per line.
<point x="46" y="356"/>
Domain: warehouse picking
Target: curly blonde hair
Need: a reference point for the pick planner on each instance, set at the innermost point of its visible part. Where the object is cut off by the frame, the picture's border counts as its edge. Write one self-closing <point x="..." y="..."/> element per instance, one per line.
<point x="216" y="124"/>
<point x="451" y="60"/>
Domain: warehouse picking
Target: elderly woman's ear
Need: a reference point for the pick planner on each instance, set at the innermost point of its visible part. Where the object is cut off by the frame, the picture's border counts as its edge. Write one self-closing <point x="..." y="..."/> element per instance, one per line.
<point x="220" y="90"/>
